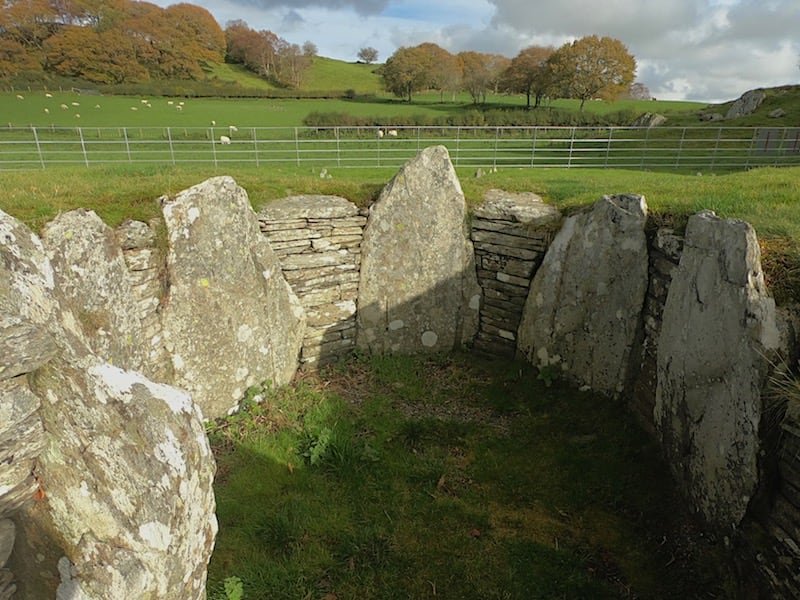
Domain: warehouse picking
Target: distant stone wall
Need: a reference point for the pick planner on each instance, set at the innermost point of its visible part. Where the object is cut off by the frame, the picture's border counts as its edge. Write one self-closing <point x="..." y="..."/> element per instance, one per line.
<point x="510" y="233"/>
<point x="318" y="242"/>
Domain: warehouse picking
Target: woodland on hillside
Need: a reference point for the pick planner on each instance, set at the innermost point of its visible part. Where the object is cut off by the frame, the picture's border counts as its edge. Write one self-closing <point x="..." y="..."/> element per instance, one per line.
<point x="115" y="42"/>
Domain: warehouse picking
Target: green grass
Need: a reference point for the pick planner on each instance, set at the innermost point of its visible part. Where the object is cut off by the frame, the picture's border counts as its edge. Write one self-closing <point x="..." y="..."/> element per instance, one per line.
<point x="337" y="75"/>
<point x="238" y="75"/>
<point x="447" y="478"/>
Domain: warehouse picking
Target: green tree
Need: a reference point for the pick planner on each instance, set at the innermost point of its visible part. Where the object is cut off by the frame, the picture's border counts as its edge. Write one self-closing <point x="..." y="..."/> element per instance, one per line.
<point x="406" y="71"/>
<point x="530" y="73"/>
<point x="593" y="67"/>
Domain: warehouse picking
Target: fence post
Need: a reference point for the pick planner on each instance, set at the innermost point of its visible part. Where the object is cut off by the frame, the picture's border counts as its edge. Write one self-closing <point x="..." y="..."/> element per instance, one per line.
<point x="38" y="146"/>
<point x="338" y="149"/>
<point x="716" y="147"/>
<point x="680" y="147"/>
<point x="458" y="143"/>
<point x="297" y="146"/>
<point x="779" y="151"/>
<point x="644" y="148"/>
<point x="496" y="140"/>
<point x="213" y="146"/>
<point x="571" y="145"/>
<point x="83" y="147"/>
<point x="127" y="143"/>
<point x="419" y="131"/>
<point x="171" y="149"/>
<point x="533" y="144"/>
<point x="255" y="144"/>
<point x="608" y="146"/>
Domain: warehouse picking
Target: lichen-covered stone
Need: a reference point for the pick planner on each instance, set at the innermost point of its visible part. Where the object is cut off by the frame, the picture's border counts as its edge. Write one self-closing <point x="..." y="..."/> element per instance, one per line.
<point x="525" y="208"/>
<point x="123" y="485"/>
<point x="746" y="104"/>
<point x="418" y="290"/>
<point x="297" y="208"/>
<point x="718" y="324"/>
<point x="24" y="347"/>
<point x="230" y="319"/>
<point x="90" y="271"/>
<point x="583" y="309"/>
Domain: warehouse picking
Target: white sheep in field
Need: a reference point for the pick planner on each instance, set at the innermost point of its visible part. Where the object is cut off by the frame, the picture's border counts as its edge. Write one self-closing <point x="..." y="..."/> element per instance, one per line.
<point x="224" y="140"/>
<point x="97" y="106"/>
<point x="64" y="107"/>
<point x="379" y="133"/>
<point x="20" y="97"/>
<point x="181" y="103"/>
<point x="179" y="107"/>
<point x="143" y="101"/>
<point x="232" y="128"/>
<point x="77" y="115"/>
<point x="47" y="111"/>
<point x="170" y="102"/>
<point x="392" y="133"/>
<point x="48" y="95"/>
<point x="134" y="108"/>
<point x="213" y="123"/>
<point x="75" y="103"/>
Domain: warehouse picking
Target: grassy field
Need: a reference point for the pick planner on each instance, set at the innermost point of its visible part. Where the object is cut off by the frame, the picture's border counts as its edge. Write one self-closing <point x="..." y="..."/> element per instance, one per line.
<point x="448" y="478"/>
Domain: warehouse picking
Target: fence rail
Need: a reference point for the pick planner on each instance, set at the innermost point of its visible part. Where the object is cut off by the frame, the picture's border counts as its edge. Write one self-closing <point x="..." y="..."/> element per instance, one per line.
<point x="662" y="148"/>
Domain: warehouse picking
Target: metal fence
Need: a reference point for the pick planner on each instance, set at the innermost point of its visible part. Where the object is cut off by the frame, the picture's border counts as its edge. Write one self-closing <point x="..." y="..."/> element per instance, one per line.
<point x="661" y="148"/>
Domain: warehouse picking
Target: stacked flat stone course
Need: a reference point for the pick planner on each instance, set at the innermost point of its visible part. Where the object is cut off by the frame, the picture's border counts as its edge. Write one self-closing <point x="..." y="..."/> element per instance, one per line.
<point x="780" y="561"/>
<point x="146" y="268"/>
<point x="510" y="233"/>
<point x="665" y="254"/>
<point x="318" y="242"/>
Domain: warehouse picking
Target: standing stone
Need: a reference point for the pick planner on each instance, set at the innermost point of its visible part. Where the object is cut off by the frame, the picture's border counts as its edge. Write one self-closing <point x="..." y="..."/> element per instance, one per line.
<point x="718" y="323"/>
<point x="418" y="290"/>
<point x="583" y="309"/>
<point x="90" y="271"/>
<point x="231" y="321"/>
<point x="121" y="504"/>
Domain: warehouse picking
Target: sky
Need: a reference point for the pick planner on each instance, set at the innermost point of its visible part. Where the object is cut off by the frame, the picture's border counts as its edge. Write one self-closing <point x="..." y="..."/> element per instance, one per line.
<point x="705" y="50"/>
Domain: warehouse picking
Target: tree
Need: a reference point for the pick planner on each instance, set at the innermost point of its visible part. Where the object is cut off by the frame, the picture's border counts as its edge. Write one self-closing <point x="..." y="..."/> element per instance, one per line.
<point x="593" y="67"/>
<point x="443" y="69"/>
<point x="196" y="32"/>
<point x="639" y="91"/>
<point x="368" y="55"/>
<point x="476" y="74"/>
<point x="256" y="50"/>
<point x="291" y="64"/>
<point x="15" y="59"/>
<point x="530" y="73"/>
<point x="406" y="71"/>
<point x="310" y="49"/>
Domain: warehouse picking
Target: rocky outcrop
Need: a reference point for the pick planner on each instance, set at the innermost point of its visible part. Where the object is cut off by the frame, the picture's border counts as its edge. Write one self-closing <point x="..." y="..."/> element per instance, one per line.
<point x="718" y="324"/>
<point x="91" y="273"/>
<point x="582" y="314"/>
<point x="318" y="242"/>
<point x="510" y="233"/>
<point x="119" y="502"/>
<point x="648" y="120"/>
<point x="746" y="104"/>
<point x="418" y="290"/>
<point x="230" y="319"/>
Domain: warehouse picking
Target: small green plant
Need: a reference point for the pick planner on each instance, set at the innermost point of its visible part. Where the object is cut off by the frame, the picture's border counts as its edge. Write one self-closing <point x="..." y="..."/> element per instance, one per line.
<point x="234" y="590"/>
<point x="548" y="374"/>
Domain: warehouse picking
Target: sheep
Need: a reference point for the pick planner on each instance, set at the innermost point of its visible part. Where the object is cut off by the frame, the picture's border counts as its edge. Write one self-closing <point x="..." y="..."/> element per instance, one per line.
<point x="379" y="133"/>
<point x="148" y="105"/>
<point x="224" y="140"/>
<point x="134" y="108"/>
<point x="180" y="103"/>
<point x="392" y="133"/>
<point x="47" y="111"/>
<point x="143" y="101"/>
<point x="97" y="106"/>
<point x="48" y="95"/>
<point x="179" y="107"/>
<point x="20" y="97"/>
<point x="75" y="103"/>
<point x="170" y="102"/>
<point x="213" y="123"/>
<point x="232" y="128"/>
<point x="77" y="115"/>
<point x="64" y="107"/>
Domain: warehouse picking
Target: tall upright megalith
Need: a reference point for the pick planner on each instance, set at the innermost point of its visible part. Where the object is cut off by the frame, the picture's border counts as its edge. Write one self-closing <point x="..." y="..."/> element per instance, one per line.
<point x="718" y="327"/>
<point x="230" y="319"/>
<point x="418" y="290"/>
